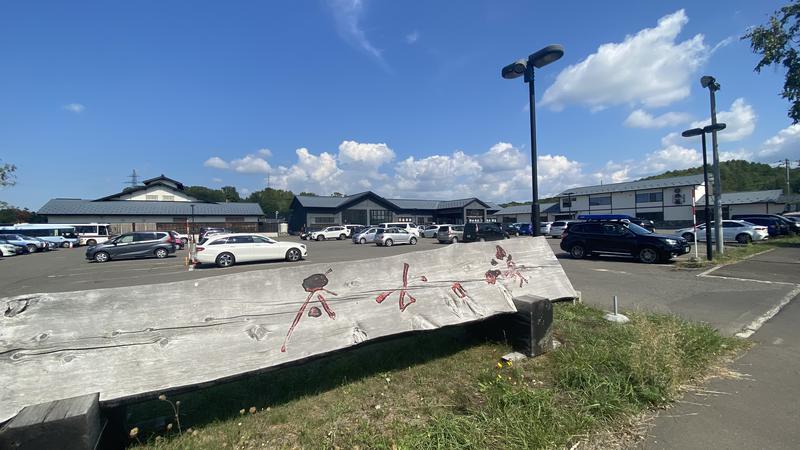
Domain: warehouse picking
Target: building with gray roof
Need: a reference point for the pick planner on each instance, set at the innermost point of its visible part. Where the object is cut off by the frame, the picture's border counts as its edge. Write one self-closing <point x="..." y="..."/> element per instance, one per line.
<point x="369" y="208"/>
<point x="751" y="202"/>
<point x="666" y="201"/>
<point x="160" y="203"/>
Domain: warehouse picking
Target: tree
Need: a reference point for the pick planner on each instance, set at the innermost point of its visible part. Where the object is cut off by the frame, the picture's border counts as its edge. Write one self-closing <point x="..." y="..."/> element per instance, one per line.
<point x="7" y="177"/>
<point x="778" y="42"/>
<point x="337" y="194"/>
<point x="308" y="194"/>
<point x="272" y="200"/>
<point x="230" y="194"/>
<point x="205" y="194"/>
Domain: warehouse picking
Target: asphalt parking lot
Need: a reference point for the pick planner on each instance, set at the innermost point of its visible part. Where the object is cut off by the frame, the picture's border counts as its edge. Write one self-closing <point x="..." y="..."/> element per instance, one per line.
<point x="729" y="299"/>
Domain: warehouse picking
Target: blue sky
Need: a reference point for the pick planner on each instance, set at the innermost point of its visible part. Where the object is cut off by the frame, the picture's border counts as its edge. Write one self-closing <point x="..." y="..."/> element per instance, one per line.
<point x="402" y="98"/>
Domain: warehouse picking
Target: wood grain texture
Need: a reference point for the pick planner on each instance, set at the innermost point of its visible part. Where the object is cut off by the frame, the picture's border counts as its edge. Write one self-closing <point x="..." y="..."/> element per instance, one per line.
<point x="126" y="342"/>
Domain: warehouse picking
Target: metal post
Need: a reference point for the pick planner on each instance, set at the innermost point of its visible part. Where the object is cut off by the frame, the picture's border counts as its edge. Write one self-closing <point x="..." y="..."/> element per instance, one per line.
<point x="694" y="224"/>
<point x="709" y="255"/>
<point x="616" y="306"/>
<point x="535" y="223"/>
<point x="717" y="178"/>
<point x="788" y="186"/>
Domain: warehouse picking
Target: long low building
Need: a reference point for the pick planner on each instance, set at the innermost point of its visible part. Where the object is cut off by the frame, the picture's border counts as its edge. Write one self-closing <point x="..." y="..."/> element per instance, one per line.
<point x="750" y="202"/>
<point x="665" y="201"/>
<point x="162" y="204"/>
<point x="369" y="208"/>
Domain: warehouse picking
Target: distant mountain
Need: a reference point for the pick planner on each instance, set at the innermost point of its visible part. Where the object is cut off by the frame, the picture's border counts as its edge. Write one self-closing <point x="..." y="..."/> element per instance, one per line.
<point x="739" y="176"/>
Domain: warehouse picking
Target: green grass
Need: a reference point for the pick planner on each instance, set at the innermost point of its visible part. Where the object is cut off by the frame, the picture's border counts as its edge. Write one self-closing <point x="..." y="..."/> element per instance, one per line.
<point x="735" y="253"/>
<point x="445" y="390"/>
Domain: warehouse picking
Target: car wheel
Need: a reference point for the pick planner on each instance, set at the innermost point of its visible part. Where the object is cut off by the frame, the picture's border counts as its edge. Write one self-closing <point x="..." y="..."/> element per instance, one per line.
<point x="91" y="242"/>
<point x="161" y="253"/>
<point x="688" y="236"/>
<point x="342" y="236"/>
<point x="648" y="255"/>
<point x="65" y="245"/>
<point x="744" y="238"/>
<point x="101" y="257"/>
<point x="454" y="241"/>
<point x="293" y="255"/>
<point x="388" y="242"/>
<point x="225" y="260"/>
<point x="31" y="248"/>
<point x="320" y="238"/>
<point x="184" y="241"/>
<point x="362" y="241"/>
<point x="578" y="251"/>
<point x="413" y="241"/>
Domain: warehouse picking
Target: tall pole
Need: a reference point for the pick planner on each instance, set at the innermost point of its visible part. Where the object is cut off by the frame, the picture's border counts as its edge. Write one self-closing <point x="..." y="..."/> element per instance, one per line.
<point x="534" y="176"/>
<point x="788" y="186"/>
<point x="717" y="178"/>
<point x="709" y="256"/>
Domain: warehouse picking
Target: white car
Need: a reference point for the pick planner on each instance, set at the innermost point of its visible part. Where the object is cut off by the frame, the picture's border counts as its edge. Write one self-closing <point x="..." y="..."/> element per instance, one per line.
<point x="410" y="227"/>
<point x="558" y="227"/>
<point x="431" y="231"/>
<point x="8" y="249"/>
<point x="225" y="250"/>
<point x="739" y="231"/>
<point x="334" y="232"/>
<point x="544" y="228"/>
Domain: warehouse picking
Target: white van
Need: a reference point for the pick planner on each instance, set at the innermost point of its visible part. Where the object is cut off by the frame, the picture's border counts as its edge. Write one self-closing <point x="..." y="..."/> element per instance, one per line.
<point x="408" y="226"/>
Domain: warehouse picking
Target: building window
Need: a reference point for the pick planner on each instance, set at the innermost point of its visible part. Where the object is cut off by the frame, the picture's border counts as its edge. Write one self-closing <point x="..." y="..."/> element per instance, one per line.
<point x="354" y="216"/>
<point x="379" y="216"/>
<point x="168" y="198"/>
<point x="649" y="197"/>
<point x="151" y="197"/>
<point x="179" y="220"/>
<point x="509" y="219"/>
<point x="323" y="219"/>
<point x="234" y="219"/>
<point x="567" y="202"/>
<point x="475" y="213"/>
<point x="600" y="201"/>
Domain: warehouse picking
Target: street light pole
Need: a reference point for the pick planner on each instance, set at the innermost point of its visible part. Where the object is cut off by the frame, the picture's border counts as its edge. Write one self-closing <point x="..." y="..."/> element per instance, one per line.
<point x="702" y="133"/>
<point x="535" y="223"/>
<point x="709" y="256"/>
<point x="712" y="85"/>
<point x="536" y="60"/>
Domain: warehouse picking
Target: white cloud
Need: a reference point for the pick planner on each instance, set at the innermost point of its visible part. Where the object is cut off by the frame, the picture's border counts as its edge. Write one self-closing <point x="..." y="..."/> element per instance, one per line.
<point x="250" y="164"/>
<point x="642" y="119"/>
<point x="243" y="191"/>
<point x="365" y="154"/>
<point x="348" y="15"/>
<point x="215" y="162"/>
<point x="649" y="68"/>
<point x="502" y="156"/>
<point x="785" y="144"/>
<point x="265" y="152"/>
<point x="740" y="121"/>
<point x="216" y="180"/>
<point x="77" y="108"/>
<point x="412" y="37"/>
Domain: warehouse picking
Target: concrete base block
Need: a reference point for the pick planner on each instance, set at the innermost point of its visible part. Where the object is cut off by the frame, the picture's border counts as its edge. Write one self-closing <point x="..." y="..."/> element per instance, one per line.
<point x="67" y="424"/>
<point x="616" y="318"/>
<point x="531" y="328"/>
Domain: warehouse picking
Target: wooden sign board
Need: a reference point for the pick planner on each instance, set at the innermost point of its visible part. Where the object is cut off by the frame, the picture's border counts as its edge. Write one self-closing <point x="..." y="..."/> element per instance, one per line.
<point x="133" y="341"/>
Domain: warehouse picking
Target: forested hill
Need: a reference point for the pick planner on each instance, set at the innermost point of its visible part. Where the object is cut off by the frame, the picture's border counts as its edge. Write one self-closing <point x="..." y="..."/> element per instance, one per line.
<point x="738" y="176"/>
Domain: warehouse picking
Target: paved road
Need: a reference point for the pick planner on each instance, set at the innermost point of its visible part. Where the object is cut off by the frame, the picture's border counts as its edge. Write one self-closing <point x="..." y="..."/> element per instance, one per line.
<point x="728" y="304"/>
<point x="761" y="409"/>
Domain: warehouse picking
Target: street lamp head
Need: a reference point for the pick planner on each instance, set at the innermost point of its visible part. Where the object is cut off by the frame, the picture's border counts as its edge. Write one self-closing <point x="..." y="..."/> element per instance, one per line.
<point x="710" y="82"/>
<point x="715" y="127"/>
<point x="692" y="132"/>
<point x="546" y="55"/>
<point x="513" y="70"/>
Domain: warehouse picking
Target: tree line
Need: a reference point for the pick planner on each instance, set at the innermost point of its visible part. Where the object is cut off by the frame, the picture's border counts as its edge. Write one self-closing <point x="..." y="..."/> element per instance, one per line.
<point x="741" y="176"/>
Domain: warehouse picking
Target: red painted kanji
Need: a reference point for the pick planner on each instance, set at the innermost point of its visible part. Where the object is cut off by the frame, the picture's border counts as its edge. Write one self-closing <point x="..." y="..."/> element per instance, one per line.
<point x="512" y="271"/>
<point x="459" y="290"/>
<point x="403" y="291"/>
<point x="314" y="285"/>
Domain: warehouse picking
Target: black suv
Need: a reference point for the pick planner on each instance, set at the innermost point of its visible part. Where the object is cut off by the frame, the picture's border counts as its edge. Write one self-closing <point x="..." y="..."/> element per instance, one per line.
<point x="582" y="239"/>
<point x="483" y="231"/>
<point x="139" y="244"/>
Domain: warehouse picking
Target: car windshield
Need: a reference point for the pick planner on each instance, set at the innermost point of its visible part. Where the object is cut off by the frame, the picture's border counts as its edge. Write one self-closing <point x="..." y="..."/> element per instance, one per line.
<point x="637" y="229"/>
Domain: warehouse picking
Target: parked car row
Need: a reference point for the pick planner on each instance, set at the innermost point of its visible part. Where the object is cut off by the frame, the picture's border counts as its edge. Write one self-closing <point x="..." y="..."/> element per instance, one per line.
<point x="739" y="231"/>
<point x="620" y="237"/>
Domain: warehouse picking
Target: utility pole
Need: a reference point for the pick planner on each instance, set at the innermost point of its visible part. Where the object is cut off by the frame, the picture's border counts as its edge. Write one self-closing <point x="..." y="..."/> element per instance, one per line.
<point x="786" y="163"/>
